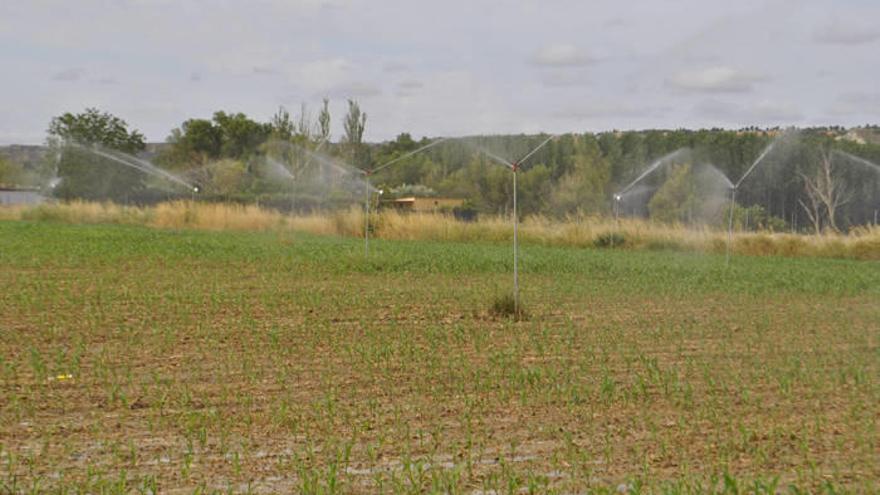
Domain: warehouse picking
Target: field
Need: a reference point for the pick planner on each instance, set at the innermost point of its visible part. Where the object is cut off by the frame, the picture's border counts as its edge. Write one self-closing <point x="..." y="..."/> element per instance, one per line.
<point x="144" y="360"/>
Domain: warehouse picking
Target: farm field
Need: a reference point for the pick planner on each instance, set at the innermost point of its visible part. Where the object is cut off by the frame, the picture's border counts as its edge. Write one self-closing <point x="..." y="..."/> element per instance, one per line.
<point x="172" y="361"/>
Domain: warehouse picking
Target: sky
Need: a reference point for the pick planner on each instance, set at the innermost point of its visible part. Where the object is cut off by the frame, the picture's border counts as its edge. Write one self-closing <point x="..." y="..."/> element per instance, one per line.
<point x="443" y="68"/>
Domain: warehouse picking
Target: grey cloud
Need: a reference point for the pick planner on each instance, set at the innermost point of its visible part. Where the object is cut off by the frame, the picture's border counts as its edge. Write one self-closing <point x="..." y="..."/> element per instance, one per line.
<point x="109" y="81"/>
<point x="747" y="114"/>
<point x="354" y="90"/>
<point x="394" y="67"/>
<point x="69" y="75"/>
<point x="408" y="88"/>
<point x="565" y="79"/>
<point x="411" y="84"/>
<point x="839" y="32"/>
<point x="265" y="71"/>
<point x="603" y="110"/>
<point x="719" y="79"/>
<point x="856" y="103"/>
<point x="561" y="55"/>
<point x="195" y="77"/>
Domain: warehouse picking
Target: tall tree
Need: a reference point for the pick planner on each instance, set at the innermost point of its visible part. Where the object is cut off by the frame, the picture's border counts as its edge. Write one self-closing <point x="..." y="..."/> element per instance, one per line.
<point x="354" y="125"/>
<point x="283" y="126"/>
<point x="324" y="121"/>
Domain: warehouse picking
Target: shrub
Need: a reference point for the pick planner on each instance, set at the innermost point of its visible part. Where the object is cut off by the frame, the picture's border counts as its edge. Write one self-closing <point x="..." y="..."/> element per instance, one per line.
<point x="610" y="240"/>
<point x="505" y="306"/>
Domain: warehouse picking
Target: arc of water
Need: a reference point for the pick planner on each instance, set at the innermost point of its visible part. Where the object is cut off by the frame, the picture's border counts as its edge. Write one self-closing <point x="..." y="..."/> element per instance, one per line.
<point x="135" y="163"/>
<point x="535" y="150"/>
<point x="517" y="163"/>
<point x="757" y="162"/>
<point x="407" y="155"/>
<point x="496" y="158"/>
<point x="733" y="190"/>
<point x="654" y="166"/>
<point x="857" y="159"/>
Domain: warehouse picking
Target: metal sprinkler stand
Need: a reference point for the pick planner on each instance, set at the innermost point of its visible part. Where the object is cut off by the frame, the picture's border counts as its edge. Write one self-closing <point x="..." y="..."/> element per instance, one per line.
<point x="730" y="222"/>
<point x="367" y="174"/>
<point x="617" y="198"/>
<point x="514" y="167"/>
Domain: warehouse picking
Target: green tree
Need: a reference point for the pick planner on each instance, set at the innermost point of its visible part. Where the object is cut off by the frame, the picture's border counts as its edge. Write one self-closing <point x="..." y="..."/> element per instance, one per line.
<point x="584" y="188"/>
<point x="241" y="136"/>
<point x="324" y="121"/>
<point x="85" y="174"/>
<point x="197" y="141"/>
<point x="283" y="126"/>
<point x="354" y="125"/>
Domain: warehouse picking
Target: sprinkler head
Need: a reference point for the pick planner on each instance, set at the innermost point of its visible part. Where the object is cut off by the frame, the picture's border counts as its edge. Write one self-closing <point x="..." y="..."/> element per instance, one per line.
<point x="381" y="192"/>
<point x="617" y="197"/>
<point x="195" y="189"/>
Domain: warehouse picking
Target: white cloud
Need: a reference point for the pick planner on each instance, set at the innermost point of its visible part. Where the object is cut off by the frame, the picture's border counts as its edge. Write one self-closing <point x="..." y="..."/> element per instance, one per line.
<point x="719" y="79"/>
<point x="840" y="32"/>
<point x="561" y="55"/>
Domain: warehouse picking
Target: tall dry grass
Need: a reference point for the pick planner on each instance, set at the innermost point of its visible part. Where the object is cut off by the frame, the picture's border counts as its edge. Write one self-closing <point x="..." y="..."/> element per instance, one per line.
<point x="580" y="231"/>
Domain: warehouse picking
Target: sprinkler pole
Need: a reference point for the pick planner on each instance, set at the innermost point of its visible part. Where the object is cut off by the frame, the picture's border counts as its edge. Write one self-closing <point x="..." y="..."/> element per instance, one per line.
<point x="514" y="167"/>
<point x="616" y="216"/>
<point x="367" y="217"/>
<point x="730" y="223"/>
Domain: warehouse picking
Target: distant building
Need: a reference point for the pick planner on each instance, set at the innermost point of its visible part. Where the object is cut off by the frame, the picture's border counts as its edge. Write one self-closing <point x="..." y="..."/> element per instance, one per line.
<point x="423" y="205"/>
<point x="20" y="196"/>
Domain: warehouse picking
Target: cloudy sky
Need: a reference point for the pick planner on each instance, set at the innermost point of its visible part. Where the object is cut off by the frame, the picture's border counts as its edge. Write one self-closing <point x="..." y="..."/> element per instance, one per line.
<point x="443" y="67"/>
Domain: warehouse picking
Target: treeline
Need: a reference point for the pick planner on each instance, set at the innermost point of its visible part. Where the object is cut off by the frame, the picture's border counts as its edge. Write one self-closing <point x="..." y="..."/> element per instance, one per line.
<point x="573" y="174"/>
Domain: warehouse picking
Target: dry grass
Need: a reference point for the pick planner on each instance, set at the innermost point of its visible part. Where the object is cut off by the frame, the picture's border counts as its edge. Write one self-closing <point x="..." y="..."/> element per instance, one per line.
<point x="581" y="231"/>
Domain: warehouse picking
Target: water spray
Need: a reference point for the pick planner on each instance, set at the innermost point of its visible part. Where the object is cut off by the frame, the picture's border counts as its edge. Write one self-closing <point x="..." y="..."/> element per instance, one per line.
<point x="136" y="163"/>
<point x="651" y="168"/>
<point x="733" y="190"/>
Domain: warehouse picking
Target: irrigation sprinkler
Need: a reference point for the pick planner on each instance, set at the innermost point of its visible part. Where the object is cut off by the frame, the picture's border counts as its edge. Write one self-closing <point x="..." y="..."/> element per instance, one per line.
<point x="135" y="163"/>
<point x="733" y="190"/>
<point x="617" y="198"/>
<point x="730" y="223"/>
<point x="368" y="173"/>
<point x="514" y="167"/>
